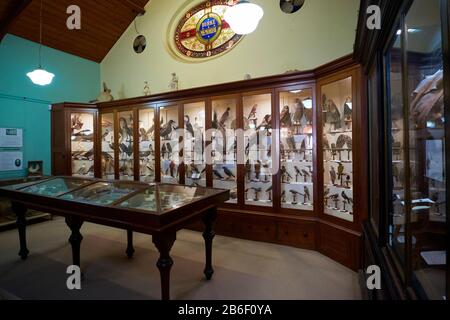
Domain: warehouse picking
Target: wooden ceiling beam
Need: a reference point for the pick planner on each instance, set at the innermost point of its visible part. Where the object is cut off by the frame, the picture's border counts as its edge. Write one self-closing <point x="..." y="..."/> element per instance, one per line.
<point x="11" y="17"/>
<point x="136" y="8"/>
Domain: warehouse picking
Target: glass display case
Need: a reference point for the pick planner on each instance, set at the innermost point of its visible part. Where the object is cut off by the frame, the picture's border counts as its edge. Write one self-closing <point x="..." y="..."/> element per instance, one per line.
<point x="147" y="164"/>
<point x="54" y="187"/>
<point x="257" y="125"/>
<point x="224" y="145"/>
<point x="82" y="144"/>
<point x="107" y="145"/>
<point x="426" y="131"/>
<point x="337" y="118"/>
<point x="126" y="145"/>
<point x="169" y="144"/>
<point x="296" y="149"/>
<point x="194" y="144"/>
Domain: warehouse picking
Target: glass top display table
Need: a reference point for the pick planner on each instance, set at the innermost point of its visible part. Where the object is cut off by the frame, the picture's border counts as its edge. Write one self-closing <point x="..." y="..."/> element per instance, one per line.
<point x="156" y="209"/>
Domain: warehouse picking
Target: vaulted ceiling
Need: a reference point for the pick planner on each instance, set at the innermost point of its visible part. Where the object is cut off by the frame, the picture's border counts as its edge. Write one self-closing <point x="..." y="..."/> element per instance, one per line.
<point x="102" y="23"/>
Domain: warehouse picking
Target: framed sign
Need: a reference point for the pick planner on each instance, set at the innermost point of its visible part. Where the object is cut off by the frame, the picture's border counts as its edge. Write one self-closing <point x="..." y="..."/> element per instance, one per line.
<point x="11" y="138"/>
<point x="202" y="31"/>
<point x="11" y="161"/>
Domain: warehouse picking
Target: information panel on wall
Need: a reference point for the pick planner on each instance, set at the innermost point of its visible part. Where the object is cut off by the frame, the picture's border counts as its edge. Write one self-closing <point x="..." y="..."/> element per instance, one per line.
<point x="11" y="138"/>
<point x="11" y="160"/>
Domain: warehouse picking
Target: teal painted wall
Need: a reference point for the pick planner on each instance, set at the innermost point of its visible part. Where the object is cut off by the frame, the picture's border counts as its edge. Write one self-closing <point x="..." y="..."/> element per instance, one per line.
<point x="25" y="105"/>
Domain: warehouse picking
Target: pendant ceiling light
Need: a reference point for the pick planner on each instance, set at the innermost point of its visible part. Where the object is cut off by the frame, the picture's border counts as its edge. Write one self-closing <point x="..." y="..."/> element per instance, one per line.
<point x="244" y="17"/>
<point x="40" y="76"/>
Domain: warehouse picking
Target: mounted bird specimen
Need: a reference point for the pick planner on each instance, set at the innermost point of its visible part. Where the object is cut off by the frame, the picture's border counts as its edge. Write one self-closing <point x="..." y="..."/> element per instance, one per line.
<point x="228" y="172"/>
<point x="143" y="134"/>
<point x="252" y="114"/>
<point x="299" y="109"/>
<point x="163" y="150"/>
<point x="285" y="117"/>
<point x="215" y="122"/>
<point x="285" y="174"/>
<point x="348" y="113"/>
<point x="344" y="140"/>
<point x="218" y="175"/>
<point x="341" y="170"/>
<point x="266" y="124"/>
<point x="188" y="126"/>
<point x="333" y="175"/>
<point x="172" y="168"/>
<point x="257" y="169"/>
<point x="291" y="144"/>
<point x="346" y="198"/>
<point x="225" y="117"/>
<point x="325" y="142"/>
<point x="333" y="115"/>
<point x="127" y="149"/>
<point x="77" y="124"/>
<point x="194" y="168"/>
<point x="307" y="194"/>
<point x="167" y="129"/>
<point x="248" y="169"/>
<point x="104" y="135"/>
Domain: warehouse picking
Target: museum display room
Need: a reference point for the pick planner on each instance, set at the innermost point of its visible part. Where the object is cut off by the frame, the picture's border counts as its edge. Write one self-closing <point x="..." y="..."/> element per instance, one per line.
<point x="270" y="123"/>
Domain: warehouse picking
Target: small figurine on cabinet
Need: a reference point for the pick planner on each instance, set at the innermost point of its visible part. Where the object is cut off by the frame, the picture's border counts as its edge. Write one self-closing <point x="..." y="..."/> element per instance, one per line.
<point x="247" y="76"/>
<point x="105" y="95"/>
<point x="173" y="85"/>
<point x="146" y="91"/>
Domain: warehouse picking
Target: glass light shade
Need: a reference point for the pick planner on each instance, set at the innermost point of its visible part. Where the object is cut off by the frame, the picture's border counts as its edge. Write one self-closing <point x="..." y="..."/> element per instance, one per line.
<point x="244" y="17"/>
<point x="308" y="103"/>
<point x="41" y="77"/>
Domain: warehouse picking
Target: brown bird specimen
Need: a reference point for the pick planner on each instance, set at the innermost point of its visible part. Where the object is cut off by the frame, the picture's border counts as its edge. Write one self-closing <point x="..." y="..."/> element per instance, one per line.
<point x="326" y="143"/>
<point x="225" y="117"/>
<point x="340" y="170"/>
<point x="333" y="175"/>
<point x="307" y="194"/>
<point x="344" y="140"/>
<point x="77" y="124"/>
<point x="172" y="168"/>
<point x="298" y="114"/>
<point x="257" y="169"/>
<point x="252" y="113"/>
<point x="266" y="123"/>
<point x="248" y="169"/>
<point x="285" y="117"/>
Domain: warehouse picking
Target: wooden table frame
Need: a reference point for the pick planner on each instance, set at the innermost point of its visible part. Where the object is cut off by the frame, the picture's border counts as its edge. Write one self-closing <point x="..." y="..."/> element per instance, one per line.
<point x="162" y="227"/>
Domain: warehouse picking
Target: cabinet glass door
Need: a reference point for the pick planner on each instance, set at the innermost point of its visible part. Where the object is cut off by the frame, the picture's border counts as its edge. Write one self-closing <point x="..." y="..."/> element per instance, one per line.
<point x="107" y="145"/>
<point x="147" y="145"/>
<point x="224" y="145"/>
<point x="125" y="145"/>
<point x="258" y="149"/>
<point x="296" y="149"/>
<point x="82" y="144"/>
<point x="169" y="144"/>
<point x="427" y="148"/>
<point x="194" y="144"/>
<point x="337" y="116"/>
<point x="397" y="214"/>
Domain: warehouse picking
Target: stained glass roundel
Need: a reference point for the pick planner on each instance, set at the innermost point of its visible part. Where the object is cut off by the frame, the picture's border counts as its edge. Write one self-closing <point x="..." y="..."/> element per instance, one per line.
<point x="203" y="32"/>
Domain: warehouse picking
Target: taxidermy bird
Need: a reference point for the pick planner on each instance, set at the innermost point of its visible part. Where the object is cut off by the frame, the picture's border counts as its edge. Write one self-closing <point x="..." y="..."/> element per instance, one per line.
<point x="82" y="170"/>
<point x="143" y="134"/>
<point x="307" y="194"/>
<point x="104" y="135"/>
<point x="283" y="196"/>
<point x="89" y="155"/>
<point x="128" y="149"/>
<point x="266" y="123"/>
<point x="215" y="122"/>
<point x="217" y="174"/>
<point x="344" y="140"/>
<point x="333" y="115"/>
<point x="347" y="110"/>
<point x="298" y="114"/>
<point x="172" y="168"/>
<point x="305" y="173"/>
<point x="163" y="150"/>
<point x="188" y="126"/>
<point x="105" y="95"/>
<point x="324" y="102"/>
<point x="252" y="113"/>
<point x="346" y="198"/>
<point x="269" y="189"/>
<point x="326" y="193"/>
<point x="225" y="117"/>
<point x="194" y="168"/>
<point x="228" y="172"/>
<point x="248" y="169"/>
<point x="285" y="173"/>
<point x="169" y="148"/>
<point x="294" y="193"/>
<point x="333" y="175"/>
<point x="291" y="143"/>
<point x="297" y="171"/>
<point x="77" y="124"/>
<point x="340" y="170"/>
<point x="285" y="117"/>
<point x="257" y="169"/>
<point x="167" y="129"/>
<point x="303" y="147"/>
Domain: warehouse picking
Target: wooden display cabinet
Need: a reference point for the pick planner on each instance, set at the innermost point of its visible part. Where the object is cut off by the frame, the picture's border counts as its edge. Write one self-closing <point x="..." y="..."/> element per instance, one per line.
<point x="277" y="181"/>
<point x="74" y="135"/>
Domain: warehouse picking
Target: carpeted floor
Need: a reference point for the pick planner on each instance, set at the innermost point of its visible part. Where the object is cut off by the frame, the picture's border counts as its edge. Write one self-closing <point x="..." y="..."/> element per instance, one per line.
<point x="243" y="269"/>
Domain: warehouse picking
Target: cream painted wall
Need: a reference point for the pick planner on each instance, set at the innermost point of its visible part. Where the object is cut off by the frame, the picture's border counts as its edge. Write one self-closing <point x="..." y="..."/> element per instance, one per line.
<point x="322" y="31"/>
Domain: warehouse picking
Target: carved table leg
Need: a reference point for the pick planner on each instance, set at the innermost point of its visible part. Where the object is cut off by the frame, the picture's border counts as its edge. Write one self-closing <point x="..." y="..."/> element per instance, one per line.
<point x="75" y="238"/>
<point x="130" y="248"/>
<point x="20" y="211"/>
<point x="164" y="243"/>
<point x="208" y="219"/>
